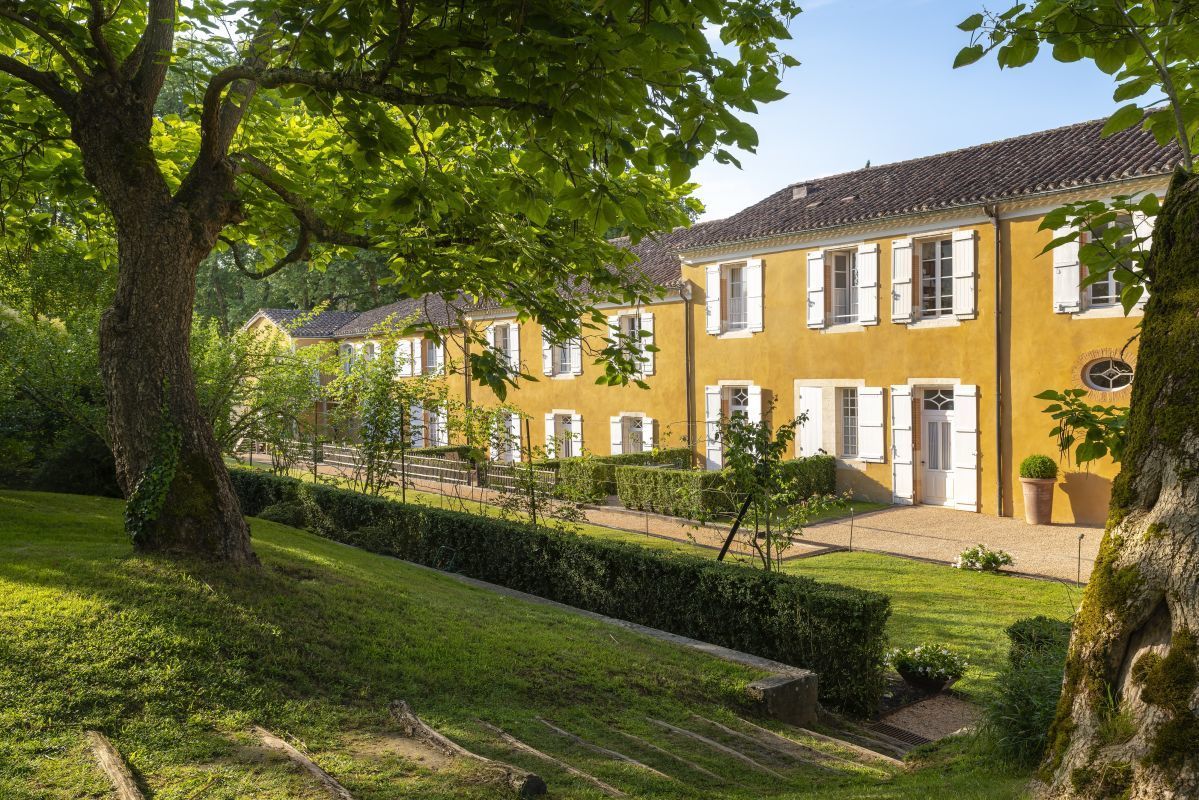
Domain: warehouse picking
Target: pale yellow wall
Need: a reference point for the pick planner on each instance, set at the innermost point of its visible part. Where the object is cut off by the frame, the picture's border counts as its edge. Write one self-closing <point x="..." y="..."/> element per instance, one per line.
<point x="1049" y="351"/>
<point x="664" y="400"/>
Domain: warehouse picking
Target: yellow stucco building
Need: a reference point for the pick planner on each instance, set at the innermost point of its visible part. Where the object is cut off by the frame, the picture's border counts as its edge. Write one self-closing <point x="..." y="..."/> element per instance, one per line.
<point x="906" y="311"/>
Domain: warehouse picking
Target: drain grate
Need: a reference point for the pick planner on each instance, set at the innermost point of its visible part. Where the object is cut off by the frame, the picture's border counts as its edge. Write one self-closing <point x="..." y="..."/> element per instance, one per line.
<point x="892" y="732"/>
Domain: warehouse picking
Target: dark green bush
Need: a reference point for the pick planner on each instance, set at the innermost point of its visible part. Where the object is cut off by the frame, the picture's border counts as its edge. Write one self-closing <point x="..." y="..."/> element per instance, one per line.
<point x="834" y="630"/>
<point x="690" y="493"/>
<point x="812" y="475"/>
<point x="79" y="462"/>
<point x="285" y="513"/>
<point x="1024" y="700"/>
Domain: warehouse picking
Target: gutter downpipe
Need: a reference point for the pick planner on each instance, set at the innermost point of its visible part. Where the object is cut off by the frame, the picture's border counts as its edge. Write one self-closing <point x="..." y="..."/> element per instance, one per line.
<point x="992" y="211"/>
<point x="689" y="361"/>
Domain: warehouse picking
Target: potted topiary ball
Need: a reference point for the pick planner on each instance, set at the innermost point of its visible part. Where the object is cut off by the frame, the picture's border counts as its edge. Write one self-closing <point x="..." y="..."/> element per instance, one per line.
<point x="1038" y="474"/>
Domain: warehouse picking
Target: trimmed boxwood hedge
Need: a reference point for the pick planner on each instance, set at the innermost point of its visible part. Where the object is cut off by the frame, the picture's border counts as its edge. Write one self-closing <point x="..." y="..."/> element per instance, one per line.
<point x="591" y="479"/>
<point x="836" y="631"/>
<point x="815" y="475"/>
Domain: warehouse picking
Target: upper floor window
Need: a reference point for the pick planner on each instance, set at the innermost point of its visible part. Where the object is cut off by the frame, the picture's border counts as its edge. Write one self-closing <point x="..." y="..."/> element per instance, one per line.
<point x="370" y="351"/>
<point x="1106" y="290"/>
<point x="734" y="296"/>
<point x="844" y="273"/>
<point x="936" y="277"/>
<point x="847" y="406"/>
<point x="347" y="358"/>
<point x="432" y="356"/>
<point x="561" y="358"/>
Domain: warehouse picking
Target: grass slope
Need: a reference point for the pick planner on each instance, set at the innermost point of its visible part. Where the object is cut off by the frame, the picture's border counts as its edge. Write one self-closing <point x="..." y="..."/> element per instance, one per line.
<point x="176" y="660"/>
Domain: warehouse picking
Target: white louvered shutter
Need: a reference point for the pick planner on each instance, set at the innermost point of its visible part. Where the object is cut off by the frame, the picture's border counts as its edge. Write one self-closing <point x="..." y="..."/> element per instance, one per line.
<point x="441" y="433"/>
<point x="901" y="280"/>
<point x="712" y="414"/>
<point x="753" y="294"/>
<point x="576" y="356"/>
<point x="417" y="346"/>
<point x="816" y="290"/>
<point x="868" y="284"/>
<point x="902" y="483"/>
<point x="811" y="435"/>
<point x="647" y="434"/>
<point x="403" y="358"/>
<point x="965" y="300"/>
<point x="1067" y="271"/>
<point x="550" y="429"/>
<point x="712" y="298"/>
<point x="441" y="362"/>
<point x="647" y="339"/>
<point x="616" y="426"/>
<point x="754" y="405"/>
<point x="547" y="355"/>
<point x="870" y="424"/>
<point x="514" y="436"/>
<point x="614" y="328"/>
<point x="416" y="424"/>
<point x="576" y="434"/>
<point x="1142" y="225"/>
<point x="965" y="447"/>
<point x="514" y="345"/>
<point x="489" y="335"/>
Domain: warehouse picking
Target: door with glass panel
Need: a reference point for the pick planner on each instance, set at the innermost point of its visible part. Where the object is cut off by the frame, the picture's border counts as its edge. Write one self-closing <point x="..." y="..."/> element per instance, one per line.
<point x="936" y="447"/>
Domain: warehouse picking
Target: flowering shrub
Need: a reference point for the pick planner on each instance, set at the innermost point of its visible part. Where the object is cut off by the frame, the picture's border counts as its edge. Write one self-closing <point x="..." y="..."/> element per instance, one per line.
<point x="983" y="559"/>
<point x="928" y="662"/>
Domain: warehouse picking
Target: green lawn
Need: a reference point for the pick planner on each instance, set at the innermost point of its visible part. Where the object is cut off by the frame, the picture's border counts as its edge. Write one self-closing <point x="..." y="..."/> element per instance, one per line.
<point x="175" y="660"/>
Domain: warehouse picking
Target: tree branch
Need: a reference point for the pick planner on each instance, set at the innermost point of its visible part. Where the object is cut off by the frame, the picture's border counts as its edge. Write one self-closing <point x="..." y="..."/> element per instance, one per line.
<point x="153" y="50"/>
<point x="305" y="213"/>
<point x="296" y="254"/>
<point x="37" y="29"/>
<point x="47" y="83"/>
<point x="95" y="24"/>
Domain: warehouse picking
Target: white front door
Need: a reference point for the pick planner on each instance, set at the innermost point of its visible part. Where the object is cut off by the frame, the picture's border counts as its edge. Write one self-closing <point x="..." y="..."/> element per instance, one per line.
<point x="936" y="447"/>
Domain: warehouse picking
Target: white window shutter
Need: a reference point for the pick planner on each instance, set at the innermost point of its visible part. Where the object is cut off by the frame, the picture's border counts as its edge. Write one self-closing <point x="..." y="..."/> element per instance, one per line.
<point x="870" y="424"/>
<point x="576" y="433"/>
<point x="417" y="346"/>
<point x="403" y="358"/>
<point x="550" y="430"/>
<point x="901" y="280"/>
<point x="490" y="336"/>
<point x="816" y="289"/>
<point x="576" y="356"/>
<point x="811" y="403"/>
<point x="616" y="426"/>
<point x="1067" y="272"/>
<point x="614" y="328"/>
<point x="753" y="294"/>
<point x="514" y="436"/>
<point x="712" y="298"/>
<point x="712" y="414"/>
<point x="965" y="301"/>
<point x="441" y="433"/>
<point x="754" y="403"/>
<point x="647" y="434"/>
<point x="868" y="284"/>
<point x="902" y="482"/>
<point x="441" y="363"/>
<point x="1142" y="225"/>
<point x="416" y="424"/>
<point x="514" y="345"/>
<point x="547" y="355"/>
<point x="647" y="338"/>
<point x="965" y="447"/>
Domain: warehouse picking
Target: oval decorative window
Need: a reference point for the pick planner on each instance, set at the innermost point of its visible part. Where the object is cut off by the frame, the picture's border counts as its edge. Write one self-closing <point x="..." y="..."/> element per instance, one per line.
<point x="1107" y="375"/>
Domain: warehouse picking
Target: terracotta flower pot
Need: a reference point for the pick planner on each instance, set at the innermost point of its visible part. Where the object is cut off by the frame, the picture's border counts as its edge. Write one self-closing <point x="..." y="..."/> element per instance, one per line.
<point x="1038" y="500"/>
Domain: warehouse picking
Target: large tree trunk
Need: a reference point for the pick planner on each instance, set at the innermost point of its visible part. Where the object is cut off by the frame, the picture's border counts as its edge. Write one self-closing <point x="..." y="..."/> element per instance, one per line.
<point x="1128" y="721"/>
<point x="168" y="464"/>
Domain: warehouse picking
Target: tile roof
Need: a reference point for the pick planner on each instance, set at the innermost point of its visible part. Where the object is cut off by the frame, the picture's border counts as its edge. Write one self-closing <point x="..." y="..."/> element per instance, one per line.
<point x="322" y="325"/>
<point x="1054" y="160"/>
<point x="658" y="256"/>
<point x="432" y="309"/>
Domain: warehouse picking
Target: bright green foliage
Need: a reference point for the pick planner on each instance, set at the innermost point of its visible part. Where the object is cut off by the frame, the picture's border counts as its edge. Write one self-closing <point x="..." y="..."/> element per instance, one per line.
<point x="593" y="478"/>
<point x="483" y="148"/>
<point x="834" y="630"/>
<point x="690" y="493"/>
<point x="1038" y="466"/>
<point x="981" y="558"/>
<point x="1103" y="428"/>
<point x="932" y="662"/>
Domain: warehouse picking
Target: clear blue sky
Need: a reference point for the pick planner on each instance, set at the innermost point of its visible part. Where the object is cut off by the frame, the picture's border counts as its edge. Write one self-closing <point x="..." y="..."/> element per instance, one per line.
<point x="877" y="83"/>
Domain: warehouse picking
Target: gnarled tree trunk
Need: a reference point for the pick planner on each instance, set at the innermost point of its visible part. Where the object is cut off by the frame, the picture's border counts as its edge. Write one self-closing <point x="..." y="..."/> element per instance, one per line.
<point x="168" y="463"/>
<point x="1128" y="720"/>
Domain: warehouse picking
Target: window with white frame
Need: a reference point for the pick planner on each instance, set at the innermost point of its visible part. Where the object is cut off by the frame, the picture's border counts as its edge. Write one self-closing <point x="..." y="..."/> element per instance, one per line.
<point x="633" y="434"/>
<point x="564" y="436"/>
<point x="370" y="351"/>
<point x="843" y="269"/>
<point x="562" y="361"/>
<point x="1105" y="291"/>
<point x="347" y="358"/>
<point x="736" y="298"/>
<point x="506" y="437"/>
<point x="847" y="422"/>
<point x="561" y="358"/>
<point x="432" y="356"/>
<point x="736" y="399"/>
<point x="936" y="277"/>
<point x="501" y="341"/>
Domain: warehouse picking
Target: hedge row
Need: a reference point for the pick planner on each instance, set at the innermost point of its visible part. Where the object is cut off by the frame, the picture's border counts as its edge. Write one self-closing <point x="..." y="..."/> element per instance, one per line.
<point x="690" y="493"/>
<point x="813" y="475"/>
<point x="834" y="630"/>
<point x="591" y="479"/>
